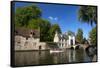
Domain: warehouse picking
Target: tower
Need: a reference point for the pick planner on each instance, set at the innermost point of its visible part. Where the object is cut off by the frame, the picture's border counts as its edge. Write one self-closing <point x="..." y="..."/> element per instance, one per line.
<point x="56" y="37"/>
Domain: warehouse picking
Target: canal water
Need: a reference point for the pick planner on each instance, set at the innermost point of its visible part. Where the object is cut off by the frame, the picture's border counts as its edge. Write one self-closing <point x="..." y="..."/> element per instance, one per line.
<point x="45" y="57"/>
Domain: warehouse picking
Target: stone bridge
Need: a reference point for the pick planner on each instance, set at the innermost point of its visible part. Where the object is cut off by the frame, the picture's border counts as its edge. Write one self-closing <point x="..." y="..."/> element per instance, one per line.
<point x="84" y="46"/>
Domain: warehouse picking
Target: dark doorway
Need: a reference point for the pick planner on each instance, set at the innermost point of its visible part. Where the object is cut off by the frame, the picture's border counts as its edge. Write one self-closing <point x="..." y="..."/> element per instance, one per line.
<point x="40" y="47"/>
<point x="71" y="42"/>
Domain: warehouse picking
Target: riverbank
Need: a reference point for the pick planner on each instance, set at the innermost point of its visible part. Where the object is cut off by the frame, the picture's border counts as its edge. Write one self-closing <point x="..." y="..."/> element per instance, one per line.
<point x="31" y="50"/>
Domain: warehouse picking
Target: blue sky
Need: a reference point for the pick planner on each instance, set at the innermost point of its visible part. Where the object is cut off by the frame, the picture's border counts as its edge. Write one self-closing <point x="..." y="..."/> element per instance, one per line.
<point x="64" y="15"/>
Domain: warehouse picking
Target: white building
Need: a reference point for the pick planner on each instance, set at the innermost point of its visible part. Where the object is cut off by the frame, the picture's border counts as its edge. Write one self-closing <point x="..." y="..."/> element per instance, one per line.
<point x="64" y="40"/>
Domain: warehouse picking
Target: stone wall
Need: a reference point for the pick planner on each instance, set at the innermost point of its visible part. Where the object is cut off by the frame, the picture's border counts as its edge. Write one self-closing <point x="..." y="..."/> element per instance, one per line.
<point x="21" y="43"/>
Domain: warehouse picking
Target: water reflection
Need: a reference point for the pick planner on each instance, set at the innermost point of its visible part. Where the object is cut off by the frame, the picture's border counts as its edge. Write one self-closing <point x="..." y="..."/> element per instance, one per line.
<point x="44" y="57"/>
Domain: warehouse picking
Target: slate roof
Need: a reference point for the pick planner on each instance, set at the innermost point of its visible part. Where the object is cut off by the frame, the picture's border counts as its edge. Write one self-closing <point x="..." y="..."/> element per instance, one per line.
<point x="64" y="36"/>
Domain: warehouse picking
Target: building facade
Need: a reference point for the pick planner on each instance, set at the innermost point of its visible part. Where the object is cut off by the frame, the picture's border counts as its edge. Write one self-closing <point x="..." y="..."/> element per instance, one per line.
<point x="64" y="40"/>
<point x="26" y="39"/>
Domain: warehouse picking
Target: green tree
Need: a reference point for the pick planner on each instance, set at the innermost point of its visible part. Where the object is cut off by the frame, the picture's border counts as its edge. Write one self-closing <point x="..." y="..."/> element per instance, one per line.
<point x="53" y="29"/>
<point x="84" y="41"/>
<point x="33" y="24"/>
<point x="44" y="30"/>
<point x="93" y="36"/>
<point x="70" y="33"/>
<point x="79" y="36"/>
<point x="88" y="14"/>
<point x="24" y="14"/>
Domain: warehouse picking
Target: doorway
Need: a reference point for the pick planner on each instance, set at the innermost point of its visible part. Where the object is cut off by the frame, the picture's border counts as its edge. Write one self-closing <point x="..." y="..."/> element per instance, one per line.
<point x="40" y="47"/>
<point x="71" y="42"/>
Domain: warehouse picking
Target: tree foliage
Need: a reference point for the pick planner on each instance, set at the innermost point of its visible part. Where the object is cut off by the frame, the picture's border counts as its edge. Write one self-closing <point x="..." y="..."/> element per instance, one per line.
<point x="48" y="30"/>
<point x="53" y="29"/>
<point x="71" y="33"/>
<point x="79" y="36"/>
<point x="30" y="17"/>
<point x="84" y="41"/>
<point x="88" y="14"/>
<point x="93" y="36"/>
<point x="44" y="30"/>
<point x="33" y="24"/>
<point x="24" y="14"/>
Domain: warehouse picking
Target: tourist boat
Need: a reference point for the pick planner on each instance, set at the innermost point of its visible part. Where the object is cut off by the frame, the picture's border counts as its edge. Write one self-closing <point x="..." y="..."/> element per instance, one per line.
<point x="56" y="51"/>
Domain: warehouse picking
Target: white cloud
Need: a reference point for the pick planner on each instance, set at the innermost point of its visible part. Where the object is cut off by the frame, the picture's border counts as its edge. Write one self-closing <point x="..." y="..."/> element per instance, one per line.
<point x="53" y="18"/>
<point x="50" y="17"/>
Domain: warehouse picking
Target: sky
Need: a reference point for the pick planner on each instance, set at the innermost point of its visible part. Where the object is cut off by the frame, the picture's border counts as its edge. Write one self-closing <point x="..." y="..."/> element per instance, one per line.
<point x="64" y="15"/>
